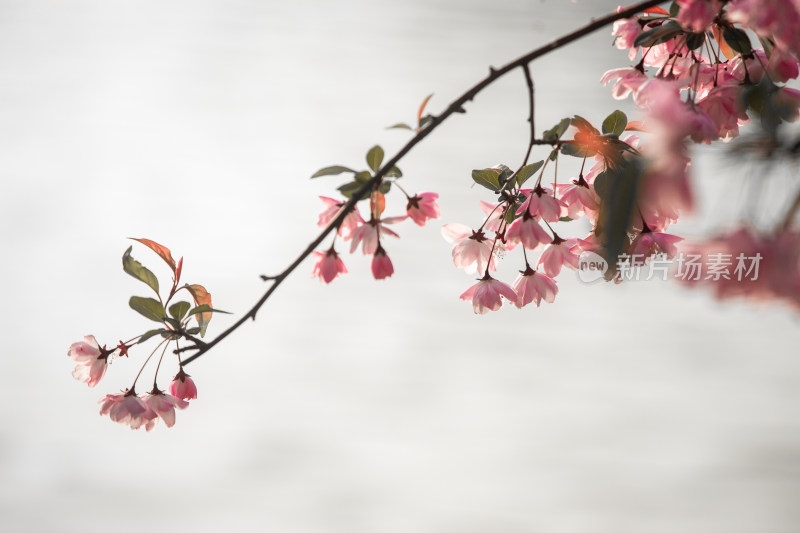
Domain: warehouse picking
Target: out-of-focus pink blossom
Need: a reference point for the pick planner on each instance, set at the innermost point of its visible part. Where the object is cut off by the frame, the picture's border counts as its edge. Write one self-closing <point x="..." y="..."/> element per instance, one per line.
<point x="164" y="406"/>
<point x="472" y="250"/>
<point x="332" y="208"/>
<point x="628" y="80"/>
<point x="626" y="31"/>
<point x="128" y="409"/>
<point x="533" y="286"/>
<point x="381" y="264"/>
<point x="183" y="387"/>
<point x="328" y="266"/>
<point x="92" y="360"/>
<point x="422" y="207"/>
<point x="649" y="243"/>
<point x="486" y="295"/>
<point x="697" y="15"/>
<point x="782" y="65"/>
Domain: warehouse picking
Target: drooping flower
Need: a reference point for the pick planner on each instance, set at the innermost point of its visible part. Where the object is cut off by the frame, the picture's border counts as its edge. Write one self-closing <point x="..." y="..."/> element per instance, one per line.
<point x="649" y="243"/>
<point x="183" y="387"/>
<point x="368" y="234"/>
<point x="381" y="264"/>
<point x="422" y="207"/>
<point x="486" y="295"/>
<point x="472" y="250"/>
<point x="91" y="358"/>
<point x="164" y="406"/>
<point x="332" y="208"/>
<point x="557" y="254"/>
<point x="579" y="198"/>
<point x="526" y="230"/>
<point x="626" y="31"/>
<point x="541" y="202"/>
<point x="328" y="266"/>
<point x="628" y="80"/>
<point x="128" y="409"/>
<point x="533" y="286"/>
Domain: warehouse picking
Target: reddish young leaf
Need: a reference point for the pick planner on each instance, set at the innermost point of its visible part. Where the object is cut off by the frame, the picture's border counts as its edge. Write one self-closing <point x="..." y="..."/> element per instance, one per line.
<point x="178" y="270"/>
<point x="723" y="46"/>
<point x="201" y="296"/>
<point x="636" y="125"/>
<point x="650" y="10"/>
<point x="377" y="203"/>
<point x="162" y="251"/>
<point x="422" y="107"/>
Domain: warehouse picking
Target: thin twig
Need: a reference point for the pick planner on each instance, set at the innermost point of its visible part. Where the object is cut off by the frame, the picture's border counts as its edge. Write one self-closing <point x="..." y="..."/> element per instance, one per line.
<point x="457" y="106"/>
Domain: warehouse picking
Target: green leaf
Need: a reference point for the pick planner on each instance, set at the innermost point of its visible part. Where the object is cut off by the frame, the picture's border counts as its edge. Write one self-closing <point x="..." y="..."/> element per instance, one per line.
<point x="527" y="171"/>
<point x="504" y="174"/>
<point x="400" y="126"/>
<point x="193" y="331"/>
<point x="695" y="40"/>
<point x="553" y="155"/>
<point x="658" y="35"/>
<point x="573" y="150"/>
<point x="555" y="133"/>
<point x="179" y="310"/>
<point x="151" y="333"/>
<point x="583" y="124"/>
<point x="617" y="190"/>
<point x="674" y="9"/>
<point x="375" y="158"/>
<point x="615" y="123"/>
<point x="385" y="187"/>
<point x="511" y="213"/>
<point x="394" y="172"/>
<point x="204" y="308"/>
<point x="135" y="269"/>
<point x="348" y="189"/>
<point x="424" y="121"/>
<point x="331" y="171"/>
<point x="148" y="308"/>
<point x="565" y="219"/>
<point x="362" y="176"/>
<point x="172" y="322"/>
<point x="487" y="178"/>
<point x="737" y="40"/>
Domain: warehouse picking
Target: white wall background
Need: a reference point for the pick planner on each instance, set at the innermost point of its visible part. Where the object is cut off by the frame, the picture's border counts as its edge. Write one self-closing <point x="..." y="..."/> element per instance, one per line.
<point x="361" y="406"/>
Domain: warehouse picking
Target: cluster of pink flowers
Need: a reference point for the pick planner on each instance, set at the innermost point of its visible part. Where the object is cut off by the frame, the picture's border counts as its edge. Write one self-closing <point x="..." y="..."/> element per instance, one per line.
<point x="778" y="274"/>
<point x="368" y="233"/>
<point x="128" y="408"/>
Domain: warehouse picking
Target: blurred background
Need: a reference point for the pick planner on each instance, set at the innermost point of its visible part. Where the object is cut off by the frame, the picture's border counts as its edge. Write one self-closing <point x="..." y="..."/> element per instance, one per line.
<point x="361" y="406"/>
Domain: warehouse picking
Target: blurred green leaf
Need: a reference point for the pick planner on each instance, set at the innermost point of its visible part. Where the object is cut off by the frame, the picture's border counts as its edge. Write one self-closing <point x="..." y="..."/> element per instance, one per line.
<point x="375" y="158"/>
<point x="658" y="35"/>
<point x="394" y="172"/>
<point x="555" y="133"/>
<point x="737" y="40"/>
<point x="400" y="126"/>
<point x="179" y="310"/>
<point x="135" y="269"/>
<point x="615" y="123"/>
<point x="151" y="333"/>
<point x="487" y="178"/>
<point x="204" y="308"/>
<point x="331" y="171"/>
<point x="527" y="171"/>
<point x="148" y="308"/>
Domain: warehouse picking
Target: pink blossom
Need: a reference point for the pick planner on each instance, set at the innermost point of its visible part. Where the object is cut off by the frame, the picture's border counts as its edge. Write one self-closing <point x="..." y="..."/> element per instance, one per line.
<point x="422" y="207"/>
<point x="328" y="266"/>
<point x="649" y="243"/>
<point x="526" y="230"/>
<point x="629" y="80"/>
<point x="532" y="286"/>
<point x="485" y="295"/>
<point x="723" y="106"/>
<point x="495" y="213"/>
<point x="472" y="250"/>
<point x="697" y="15"/>
<point x="541" y="202"/>
<point x="626" y="31"/>
<point x="782" y="65"/>
<point x="370" y="233"/>
<point x="557" y="254"/>
<point x="92" y="360"/>
<point x="183" y="387"/>
<point x="164" y="406"/>
<point x="579" y="197"/>
<point x="332" y="208"/>
<point x="381" y="264"/>
<point x="128" y="409"/>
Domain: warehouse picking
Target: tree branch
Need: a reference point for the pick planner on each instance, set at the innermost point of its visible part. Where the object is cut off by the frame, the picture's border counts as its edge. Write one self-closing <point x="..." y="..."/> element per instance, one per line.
<point x="457" y="106"/>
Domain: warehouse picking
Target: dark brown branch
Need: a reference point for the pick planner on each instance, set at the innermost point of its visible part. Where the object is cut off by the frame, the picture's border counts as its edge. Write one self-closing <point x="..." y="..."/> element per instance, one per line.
<point x="531" y="94"/>
<point x="457" y="106"/>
